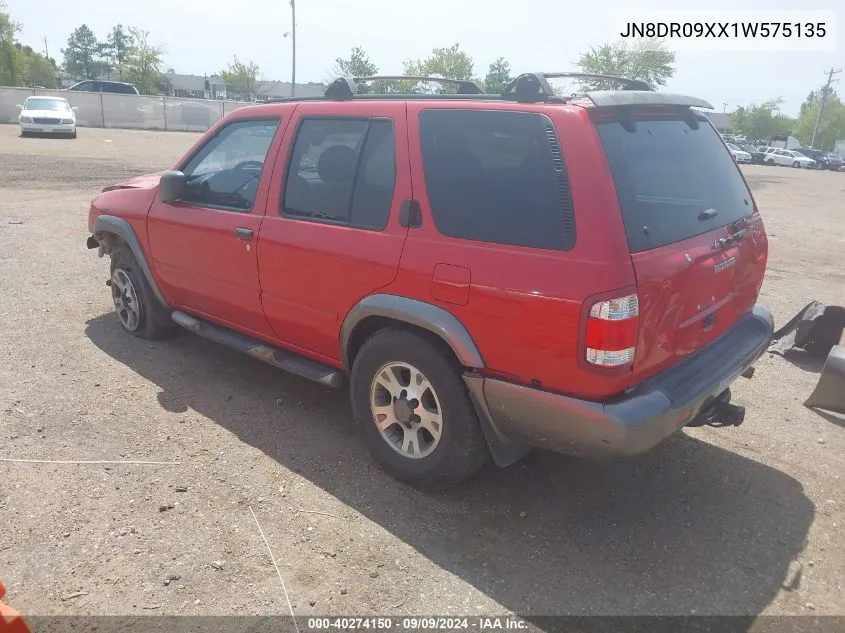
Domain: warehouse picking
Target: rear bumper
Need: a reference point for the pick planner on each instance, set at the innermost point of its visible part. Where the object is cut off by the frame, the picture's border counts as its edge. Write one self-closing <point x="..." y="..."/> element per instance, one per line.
<point x="635" y="422"/>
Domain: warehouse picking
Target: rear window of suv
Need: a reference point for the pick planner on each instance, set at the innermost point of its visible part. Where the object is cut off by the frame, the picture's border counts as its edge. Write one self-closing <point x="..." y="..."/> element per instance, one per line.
<point x="666" y="174"/>
<point x="497" y="176"/>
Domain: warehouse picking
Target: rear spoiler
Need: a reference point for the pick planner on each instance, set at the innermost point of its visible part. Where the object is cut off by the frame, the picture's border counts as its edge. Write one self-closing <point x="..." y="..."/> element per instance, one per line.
<point x="610" y="98"/>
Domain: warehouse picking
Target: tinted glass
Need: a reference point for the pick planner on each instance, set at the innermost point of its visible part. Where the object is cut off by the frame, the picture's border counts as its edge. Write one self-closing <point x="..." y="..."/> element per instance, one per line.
<point x="496" y="176"/>
<point x="666" y="174"/>
<point x="342" y="170"/>
<point x="226" y="170"/>
<point x="117" y="88"/>
<point x="46" y="104"/>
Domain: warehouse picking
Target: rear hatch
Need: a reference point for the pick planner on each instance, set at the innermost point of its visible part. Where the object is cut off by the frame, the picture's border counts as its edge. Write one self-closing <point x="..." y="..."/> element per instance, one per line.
<point x="696" y="240"/>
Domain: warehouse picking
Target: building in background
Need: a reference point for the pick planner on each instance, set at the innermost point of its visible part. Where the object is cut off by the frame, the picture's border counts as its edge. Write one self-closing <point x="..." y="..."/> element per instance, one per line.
<point x="267" y="90"/>
<point x="721" y="121"/>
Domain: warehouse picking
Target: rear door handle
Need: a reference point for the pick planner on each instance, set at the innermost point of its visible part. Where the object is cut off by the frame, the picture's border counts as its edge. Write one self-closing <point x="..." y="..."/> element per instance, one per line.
<point x="244" y="234"/>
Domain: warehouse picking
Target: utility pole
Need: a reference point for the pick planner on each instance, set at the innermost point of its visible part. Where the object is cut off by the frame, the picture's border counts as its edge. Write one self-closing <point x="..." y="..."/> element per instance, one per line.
<point x="46" y="51"/>
<point x="293" y="47"/>
<point x="724" y="107"/>
<point x="830" y="75"/>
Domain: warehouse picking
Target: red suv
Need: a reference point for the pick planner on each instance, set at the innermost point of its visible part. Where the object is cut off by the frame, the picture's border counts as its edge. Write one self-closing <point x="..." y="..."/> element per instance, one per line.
<point x="491" y="272"/>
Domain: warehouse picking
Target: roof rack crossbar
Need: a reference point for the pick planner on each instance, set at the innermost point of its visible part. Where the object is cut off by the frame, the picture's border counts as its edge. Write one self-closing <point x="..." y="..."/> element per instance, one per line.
<point x="465" y="86"/>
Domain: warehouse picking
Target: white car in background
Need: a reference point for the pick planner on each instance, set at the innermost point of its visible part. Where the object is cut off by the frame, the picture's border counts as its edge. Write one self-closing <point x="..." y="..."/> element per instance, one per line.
<point x="47" y="115"/>
<point x="789" y="158"/>
<point x="740" y="156"/>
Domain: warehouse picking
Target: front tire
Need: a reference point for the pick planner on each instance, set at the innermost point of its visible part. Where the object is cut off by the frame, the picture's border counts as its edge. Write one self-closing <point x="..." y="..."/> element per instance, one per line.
<point x="137" y="308"/>
<point x="414" y="411"/>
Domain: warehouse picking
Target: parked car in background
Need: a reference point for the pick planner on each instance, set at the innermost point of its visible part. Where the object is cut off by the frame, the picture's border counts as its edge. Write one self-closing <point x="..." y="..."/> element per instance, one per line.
<point x="739" y="155"/>
<point x="481" y="290"/>
<point x="789" y="158"/>
<point x="756" y="155"/>
<point x="824" y="159"/>
<point x="47" y="115"/>
<point x="112" y="87"/>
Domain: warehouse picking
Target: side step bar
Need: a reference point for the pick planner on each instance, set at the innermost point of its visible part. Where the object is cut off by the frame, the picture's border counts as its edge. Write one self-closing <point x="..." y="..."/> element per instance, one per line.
<point x="288" y="361"/>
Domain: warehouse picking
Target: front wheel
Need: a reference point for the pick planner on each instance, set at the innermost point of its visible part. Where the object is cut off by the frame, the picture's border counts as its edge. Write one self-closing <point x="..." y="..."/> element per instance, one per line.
<point x="138" y="310"/>
<point x="414" y="411"/>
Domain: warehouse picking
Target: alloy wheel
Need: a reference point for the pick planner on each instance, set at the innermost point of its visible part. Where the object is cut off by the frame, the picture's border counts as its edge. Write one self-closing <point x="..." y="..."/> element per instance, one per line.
<point x="406" y="410"/>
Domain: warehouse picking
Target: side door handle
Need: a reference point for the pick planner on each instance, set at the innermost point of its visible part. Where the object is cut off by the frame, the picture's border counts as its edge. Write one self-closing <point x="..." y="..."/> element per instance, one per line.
<point x="244" y="234"/>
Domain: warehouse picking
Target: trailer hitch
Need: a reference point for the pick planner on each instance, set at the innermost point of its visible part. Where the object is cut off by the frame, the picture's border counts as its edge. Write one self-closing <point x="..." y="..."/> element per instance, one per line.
<point x="720" y="412"/>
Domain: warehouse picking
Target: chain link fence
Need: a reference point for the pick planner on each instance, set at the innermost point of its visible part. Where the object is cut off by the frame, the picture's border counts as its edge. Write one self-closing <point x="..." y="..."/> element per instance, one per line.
<point x="96" y="109"/>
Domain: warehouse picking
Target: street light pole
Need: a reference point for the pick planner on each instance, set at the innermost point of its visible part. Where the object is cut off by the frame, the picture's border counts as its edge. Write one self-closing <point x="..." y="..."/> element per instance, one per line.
<point x="293" y="47"/>
<point x="826" y="89"/>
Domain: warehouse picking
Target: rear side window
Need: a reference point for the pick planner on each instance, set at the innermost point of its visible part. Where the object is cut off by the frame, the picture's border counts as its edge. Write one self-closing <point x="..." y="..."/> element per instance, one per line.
<point x="497" y="176"/>
<point x="666" y="175"/>
<point x="342" y="171"/>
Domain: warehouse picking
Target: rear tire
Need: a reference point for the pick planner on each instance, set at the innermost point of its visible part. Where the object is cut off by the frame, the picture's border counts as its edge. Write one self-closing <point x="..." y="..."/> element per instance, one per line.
<point x="24" y="134"/>
<point x="796" y="164"/>
<point x="138" y="310"/>
<point x="432" y="438"/>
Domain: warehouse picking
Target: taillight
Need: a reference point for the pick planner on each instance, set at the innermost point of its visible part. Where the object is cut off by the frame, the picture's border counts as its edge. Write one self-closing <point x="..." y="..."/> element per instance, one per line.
<point x="612" y="330"/>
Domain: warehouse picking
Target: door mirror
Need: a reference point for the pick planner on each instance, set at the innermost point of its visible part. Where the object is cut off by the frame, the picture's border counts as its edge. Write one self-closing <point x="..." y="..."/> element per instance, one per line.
<point x="75" y="108"/>
<point x="19" y="107"/>
<point x="172" y="186"/>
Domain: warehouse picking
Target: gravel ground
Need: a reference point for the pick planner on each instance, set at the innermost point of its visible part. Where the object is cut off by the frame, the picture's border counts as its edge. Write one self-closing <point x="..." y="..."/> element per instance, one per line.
<point x="736" y="521"/>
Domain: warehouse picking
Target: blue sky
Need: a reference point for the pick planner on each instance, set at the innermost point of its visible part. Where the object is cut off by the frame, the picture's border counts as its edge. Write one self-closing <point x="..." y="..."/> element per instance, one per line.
<point x="200" y="37"/>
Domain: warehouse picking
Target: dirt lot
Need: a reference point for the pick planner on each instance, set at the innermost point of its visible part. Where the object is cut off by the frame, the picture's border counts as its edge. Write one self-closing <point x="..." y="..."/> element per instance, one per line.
<point x="739" y="521"/>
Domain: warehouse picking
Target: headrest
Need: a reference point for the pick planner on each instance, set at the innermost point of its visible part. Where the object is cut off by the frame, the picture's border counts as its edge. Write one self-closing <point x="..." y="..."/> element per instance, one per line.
<point x="337" y="164"/>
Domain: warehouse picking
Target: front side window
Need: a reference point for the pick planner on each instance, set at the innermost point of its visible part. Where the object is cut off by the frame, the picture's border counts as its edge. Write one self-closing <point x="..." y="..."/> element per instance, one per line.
<point x="342" y="171"/>
<point x="225" y="172"/>
<point x="498" y="177"/>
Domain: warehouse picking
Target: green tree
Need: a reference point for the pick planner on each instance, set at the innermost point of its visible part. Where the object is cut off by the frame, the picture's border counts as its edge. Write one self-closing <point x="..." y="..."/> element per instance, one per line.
<point x="36" y="69"/>
<point x="117" y="47"/>
<point x="831" y="124"/>
<point x="241" y="78"/>
<point x="142" y="65"/>
<point x="449" y="63"/>
<point x="10" y="62"/>
<point x="646" y="60"/>
<point x="358" y="64"/>
<point x="498" y="76"/>
<point x="82" y="54"/>
<point x="762" y="121"/>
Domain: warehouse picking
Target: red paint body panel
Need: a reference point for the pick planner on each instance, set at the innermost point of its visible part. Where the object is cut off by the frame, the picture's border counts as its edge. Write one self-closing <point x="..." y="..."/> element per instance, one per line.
<point x="202" y="265"/>
<point x="679" y="287"/>
<point x="313" y="273"/>
<point x="450" y="284"/>
<point x="525" y="304"/>
<point x="524" y="308"/>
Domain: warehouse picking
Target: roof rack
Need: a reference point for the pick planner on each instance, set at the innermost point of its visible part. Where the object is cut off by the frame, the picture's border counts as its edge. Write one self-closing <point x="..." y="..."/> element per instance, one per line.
<point x="347" y="87"/>
<point x="535" y="86"/>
